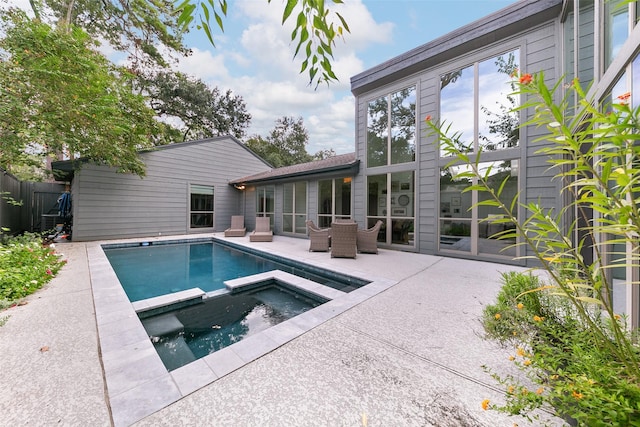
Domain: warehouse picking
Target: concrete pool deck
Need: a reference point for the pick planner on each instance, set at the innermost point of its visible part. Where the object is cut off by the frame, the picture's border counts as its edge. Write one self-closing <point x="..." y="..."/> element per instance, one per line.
<point x="410" y="355"/>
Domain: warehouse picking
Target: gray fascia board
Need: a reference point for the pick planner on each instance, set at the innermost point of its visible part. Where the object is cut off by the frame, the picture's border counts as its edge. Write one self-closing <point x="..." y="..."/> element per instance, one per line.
<point x="352" y="168"/>
<point x="497" y="26"/>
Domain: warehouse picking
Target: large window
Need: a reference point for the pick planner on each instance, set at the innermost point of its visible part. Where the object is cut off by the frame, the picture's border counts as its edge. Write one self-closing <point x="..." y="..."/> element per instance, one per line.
<point x="470" y="229"/>
<point x="391" y="199"/>
<point x="294" y="208"/>
<point x="201" y="206"/>
<point x="265" y="202"/>
<point x="391" y="128"/>
<point x="334" y="200"/>
<point x="477" y="102"/>
<point x="481" y="94"/>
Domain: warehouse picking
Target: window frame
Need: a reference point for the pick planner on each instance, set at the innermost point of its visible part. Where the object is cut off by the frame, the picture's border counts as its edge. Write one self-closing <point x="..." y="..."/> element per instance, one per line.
<point x="325" y="219"/>
<point x="204" y="189"/>
<point x="389" y="146"/>
<point x="497" y="155"/>
<point x="262" y="203"/>
<point x="298" y="219"/>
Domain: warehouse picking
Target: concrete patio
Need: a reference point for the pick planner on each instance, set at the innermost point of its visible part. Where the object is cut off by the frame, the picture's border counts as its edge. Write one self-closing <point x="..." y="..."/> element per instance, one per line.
<point x="409" y="355"/>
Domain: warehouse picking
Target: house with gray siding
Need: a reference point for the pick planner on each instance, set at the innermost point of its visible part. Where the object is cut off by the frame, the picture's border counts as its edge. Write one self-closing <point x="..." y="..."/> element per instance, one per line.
<point x="185" y="190"/>
<point x="464" y="80"/>
<point x="398" y="173"/>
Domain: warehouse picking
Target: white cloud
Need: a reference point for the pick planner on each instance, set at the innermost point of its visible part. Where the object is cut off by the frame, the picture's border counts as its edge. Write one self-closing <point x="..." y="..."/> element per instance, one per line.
<point x="204" y="65"/>
<point x="365" y="31"/>
<point x="262" y="70"/>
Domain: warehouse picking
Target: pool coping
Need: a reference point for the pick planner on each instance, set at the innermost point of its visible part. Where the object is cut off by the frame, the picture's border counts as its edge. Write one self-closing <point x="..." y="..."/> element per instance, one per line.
<point x="138" y="384"/>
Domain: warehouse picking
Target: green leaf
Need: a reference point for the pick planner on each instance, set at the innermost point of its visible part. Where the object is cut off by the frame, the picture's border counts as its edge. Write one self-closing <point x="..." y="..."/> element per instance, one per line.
<point x="344" y="23"/>
<point x="207" y="31"/>
<point x="219" y="21"/>
<point x="291" y="4"/>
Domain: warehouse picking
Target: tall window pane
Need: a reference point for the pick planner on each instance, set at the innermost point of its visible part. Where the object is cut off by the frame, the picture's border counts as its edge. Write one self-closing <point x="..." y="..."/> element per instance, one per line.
<point x="403" y="126"/>
<point x="402" y="207"/>
<point x="456" y="101"/>
<point x="343" y="197"/>
<point x="377" y="132"/>
<point x="391" y="128"/>
<point x="502" y="174"/>
<point x="294" y="207"/>
<point x="325" y="203"/>
<point x="300" y="207"/>
<point x="455" y="212"/>
<point x="616" y="24"/>
<point x="377" y="195"/>
<point x="498" y="125"/>
<point x="265" y="202"/>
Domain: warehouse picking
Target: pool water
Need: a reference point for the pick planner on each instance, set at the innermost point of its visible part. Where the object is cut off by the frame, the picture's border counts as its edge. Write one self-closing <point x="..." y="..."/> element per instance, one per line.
<point x="151" y="270"/>
<point x="185" y="335"/>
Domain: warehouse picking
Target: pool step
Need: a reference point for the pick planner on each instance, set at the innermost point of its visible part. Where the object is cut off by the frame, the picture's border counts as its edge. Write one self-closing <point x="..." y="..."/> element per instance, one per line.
<point x="162" y="325"/>
<point x="167" y="302"/>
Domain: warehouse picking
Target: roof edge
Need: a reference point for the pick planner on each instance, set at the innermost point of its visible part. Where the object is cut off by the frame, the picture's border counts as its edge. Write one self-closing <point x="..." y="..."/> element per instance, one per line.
<point x="353" y="167"/>
<point x="498" y="25"/>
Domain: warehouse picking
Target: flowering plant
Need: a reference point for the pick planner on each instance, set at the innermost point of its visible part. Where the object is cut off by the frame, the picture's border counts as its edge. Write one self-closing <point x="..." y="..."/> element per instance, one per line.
<point x="578" y="351"/>
<point x="26" y="265"/>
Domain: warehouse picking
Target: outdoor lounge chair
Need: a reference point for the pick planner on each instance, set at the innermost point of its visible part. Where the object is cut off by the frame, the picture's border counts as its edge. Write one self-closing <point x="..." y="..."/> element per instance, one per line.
<point x="263" y="232"/>
<point x="343" y="239"/>
<point x="367" y="240"/>
<point x="237" y="228"/>
<point x="318" y="237"/>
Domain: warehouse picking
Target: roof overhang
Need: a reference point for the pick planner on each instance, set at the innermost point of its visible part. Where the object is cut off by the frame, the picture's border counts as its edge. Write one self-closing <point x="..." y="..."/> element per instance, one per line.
<point x="337" y="171"/>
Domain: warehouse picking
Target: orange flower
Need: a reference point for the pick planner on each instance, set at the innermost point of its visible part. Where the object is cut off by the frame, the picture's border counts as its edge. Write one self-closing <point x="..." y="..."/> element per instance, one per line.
<point x="520" y="351"/>
<point x="525" y="79"/>
<point x="428" y="118"/>
<point x="577" y="395"/>
<point x="498" y="316"/>
<point x="540" y="390"/>
<point x="512" y="358"/>
<point x="485" y="404"/>
<point x="624" y="98"/>
<point x="527" y="362"/>
<point x="520" y="306"/>
<point x="537" y="318"/>
<point x="511" y="389"/>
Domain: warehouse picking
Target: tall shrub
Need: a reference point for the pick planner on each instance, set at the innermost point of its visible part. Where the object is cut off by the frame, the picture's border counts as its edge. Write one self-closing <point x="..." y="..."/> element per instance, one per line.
<point x="594" y="150"/>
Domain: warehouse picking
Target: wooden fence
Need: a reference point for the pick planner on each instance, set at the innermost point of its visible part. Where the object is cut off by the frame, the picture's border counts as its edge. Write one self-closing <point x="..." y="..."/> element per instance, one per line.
<point x="38" y="204"/>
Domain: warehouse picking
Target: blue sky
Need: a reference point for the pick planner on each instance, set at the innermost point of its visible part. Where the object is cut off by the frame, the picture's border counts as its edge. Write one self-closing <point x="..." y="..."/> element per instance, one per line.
<point x="253" y="58"/>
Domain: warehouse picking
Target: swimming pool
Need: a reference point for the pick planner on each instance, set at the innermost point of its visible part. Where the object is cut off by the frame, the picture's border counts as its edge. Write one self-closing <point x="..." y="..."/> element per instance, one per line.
<point x="148" y="270"/>
<point x="197" y="297"/>
<point x="137" y="380"/>
<point x="184" y="335"/>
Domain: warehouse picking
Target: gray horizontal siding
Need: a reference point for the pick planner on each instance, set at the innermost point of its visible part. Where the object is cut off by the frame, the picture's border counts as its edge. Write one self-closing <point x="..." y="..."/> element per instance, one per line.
<point x="111" y="205"/>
